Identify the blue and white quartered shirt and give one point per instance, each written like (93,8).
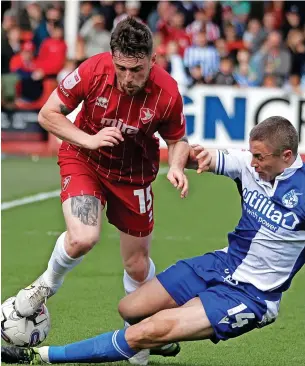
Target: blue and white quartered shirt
(267,248)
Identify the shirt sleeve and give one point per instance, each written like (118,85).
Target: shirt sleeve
(173,127)
(75,87)
(231,162)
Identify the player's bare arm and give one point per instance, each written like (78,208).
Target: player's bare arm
(52,118)
(178,153)
(202,159)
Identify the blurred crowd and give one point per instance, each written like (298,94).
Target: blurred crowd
(240,43)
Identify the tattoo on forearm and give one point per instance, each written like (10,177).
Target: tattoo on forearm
(184,139)
(86,209)
(64,110)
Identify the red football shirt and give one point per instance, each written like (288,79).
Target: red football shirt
(157,108)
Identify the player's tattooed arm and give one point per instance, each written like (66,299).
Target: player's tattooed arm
(52,117)
(86,208)
(64,109)
(184,139)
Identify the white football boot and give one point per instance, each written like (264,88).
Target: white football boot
(140,358)
(29,299)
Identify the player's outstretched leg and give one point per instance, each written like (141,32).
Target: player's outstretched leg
(81,235)
(188,322)
(107,347)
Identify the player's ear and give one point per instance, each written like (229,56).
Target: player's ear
(287,155)
(153,60)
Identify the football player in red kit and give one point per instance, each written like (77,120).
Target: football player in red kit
(111,155)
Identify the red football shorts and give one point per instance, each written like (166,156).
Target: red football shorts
(129,207)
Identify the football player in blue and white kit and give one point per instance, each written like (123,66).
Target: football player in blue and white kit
(226,293)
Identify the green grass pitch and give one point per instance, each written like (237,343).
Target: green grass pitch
(87,303)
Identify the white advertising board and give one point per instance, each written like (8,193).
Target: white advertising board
(222,116)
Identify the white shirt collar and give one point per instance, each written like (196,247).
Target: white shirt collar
(288,172)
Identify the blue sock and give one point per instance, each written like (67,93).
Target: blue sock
(106,347)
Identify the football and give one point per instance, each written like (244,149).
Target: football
(23,331)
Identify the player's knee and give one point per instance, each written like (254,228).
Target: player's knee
(82,242)
(127,311)
(137,267)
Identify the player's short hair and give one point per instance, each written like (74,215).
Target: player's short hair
(278,132)
(131,38)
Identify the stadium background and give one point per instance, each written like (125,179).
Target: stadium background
(232,75)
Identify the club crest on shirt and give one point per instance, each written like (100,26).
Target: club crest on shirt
(102,102)
(146,115)
(71,80)
(291,199)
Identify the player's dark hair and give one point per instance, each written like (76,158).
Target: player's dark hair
(131,38)
(278,132)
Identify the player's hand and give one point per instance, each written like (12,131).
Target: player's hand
(108,136)
(179,180)
(202,156)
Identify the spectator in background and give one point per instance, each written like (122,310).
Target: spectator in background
(176,66)
(272,58)
(202,54)
(296,46)
(52,54)
(243,73)
(164,11)
(234,43)
(173,30)
(169,59)
(203,22)
(188,8)
(240,12)
(24,60)
(293,85)
(9,21)
(53,17)
(292,20)
(269,24)
(132,9)
(225,74)
(9,47)
(95,36)
(107,9)
(23,64)
(30,16)
(86,10)
(277,9)
(161,58)
(196,74)
(221,47)
(254,35)
(119,10)
(270,81)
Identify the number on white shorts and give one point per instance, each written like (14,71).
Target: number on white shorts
(242,319)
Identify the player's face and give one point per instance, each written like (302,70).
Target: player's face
(267,162)
(132,72)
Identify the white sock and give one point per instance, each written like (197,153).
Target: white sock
(44,353)
(131,285)
(59,264)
